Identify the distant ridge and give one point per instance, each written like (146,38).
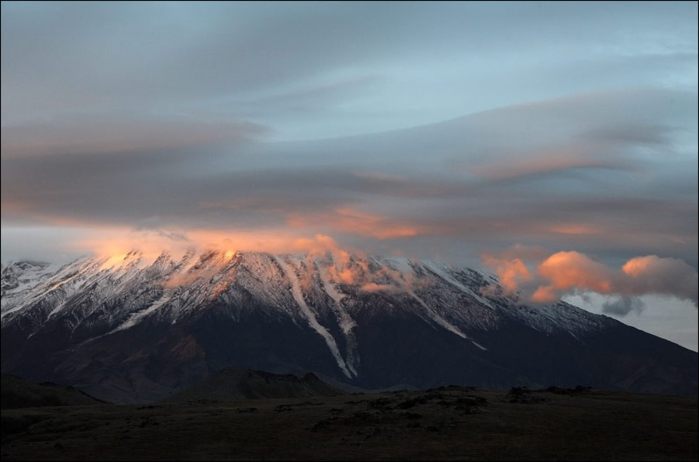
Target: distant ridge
(19,393)
(242,384)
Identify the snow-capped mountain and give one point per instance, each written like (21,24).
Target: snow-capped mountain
(129,328)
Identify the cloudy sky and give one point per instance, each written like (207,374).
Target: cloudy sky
(552,143)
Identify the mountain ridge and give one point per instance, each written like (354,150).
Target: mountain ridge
(138,328)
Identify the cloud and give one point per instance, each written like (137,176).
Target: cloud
(409,201)
(352,221)
(665,276)
(573,272)
(622,305)
(320,244)
(341,266)
(534,165)
(344,268)
(148,55)
(511,272)
(119,134)
(394,186)
(568,270)
(111,241)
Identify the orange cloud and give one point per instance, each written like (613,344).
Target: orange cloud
(545,294)
(352,221)
(107,242)
(344,269)
(319,244)
(113,244)
(364,224)
(566,270)
(511,272)
(640,266)
(569,272)
(575,229)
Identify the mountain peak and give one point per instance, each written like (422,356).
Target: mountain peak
(367,320)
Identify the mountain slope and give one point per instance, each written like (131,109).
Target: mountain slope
(129,328)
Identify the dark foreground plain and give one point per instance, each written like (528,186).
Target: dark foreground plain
(449,423)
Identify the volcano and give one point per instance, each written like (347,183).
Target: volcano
(135,329)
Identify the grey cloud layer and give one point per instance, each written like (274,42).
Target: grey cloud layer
(122,112)
(580,173)
(338,67)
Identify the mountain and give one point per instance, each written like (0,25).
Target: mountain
(19,393)
(134,329)
(241,384)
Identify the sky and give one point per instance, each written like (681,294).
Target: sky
(554,144)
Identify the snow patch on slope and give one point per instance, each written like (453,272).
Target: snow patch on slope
(19,278)
(311,317)
(138,316)
(345,321)
(443,322)
(118,295)
(440,272)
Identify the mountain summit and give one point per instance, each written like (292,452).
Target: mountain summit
(134,329)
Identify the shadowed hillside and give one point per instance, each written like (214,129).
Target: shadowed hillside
(241,384)
(19,393)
